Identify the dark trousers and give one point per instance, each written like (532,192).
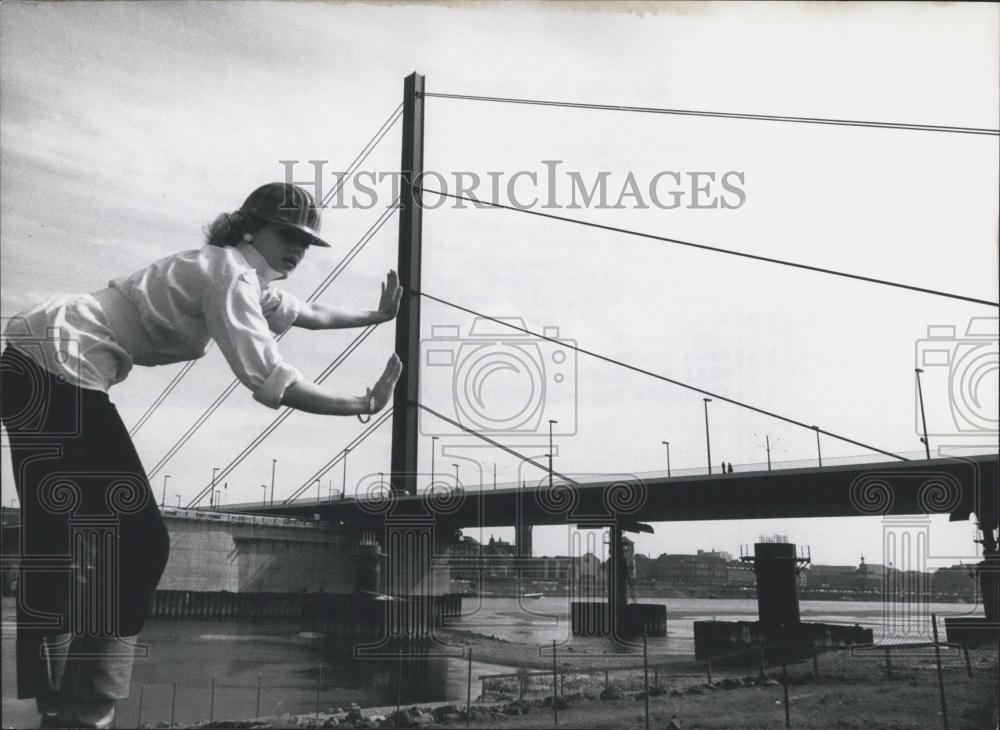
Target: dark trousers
(92,543)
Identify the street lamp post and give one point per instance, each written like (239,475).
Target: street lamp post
(163,496)
(215,472)
(708,441)
(923,415)
(667,444)
(819,451)
(178,500)
(434,440)
(343,491)
(767,441)
(218,494)
(457,483)
(317,491)
(274,464)
(264,500)
(551,451)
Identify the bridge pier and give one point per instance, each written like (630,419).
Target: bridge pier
(976,631)
(617,574)
(522,540)
(616,617)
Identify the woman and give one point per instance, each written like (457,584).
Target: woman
(93,543)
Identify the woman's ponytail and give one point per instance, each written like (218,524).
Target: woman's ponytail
(228,229)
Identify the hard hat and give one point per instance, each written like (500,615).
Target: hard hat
(286,205)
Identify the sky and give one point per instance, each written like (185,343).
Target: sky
(126,127)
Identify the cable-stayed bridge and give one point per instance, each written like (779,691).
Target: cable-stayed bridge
(956,486)
(892,485)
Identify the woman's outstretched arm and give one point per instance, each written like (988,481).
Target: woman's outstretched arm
(305,396)
(323,316)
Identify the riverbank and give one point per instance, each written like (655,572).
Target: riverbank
(747,593)
(516,655)
(194,670)
(849,692)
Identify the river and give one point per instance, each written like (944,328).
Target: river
(290,665)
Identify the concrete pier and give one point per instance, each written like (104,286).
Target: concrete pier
(590,618)
(779,630)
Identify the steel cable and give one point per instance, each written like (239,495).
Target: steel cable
(724,115)
(664,378)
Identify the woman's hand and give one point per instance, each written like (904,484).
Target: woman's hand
(381,392)
(392,292)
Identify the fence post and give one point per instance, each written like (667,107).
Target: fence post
(173,704)
(319,681)
(815,662)
(211,707)
(142,688)
(940,674)
(555,687)
(762,662)
(399,687)
(888,664)
(708,670)
(605,679)
(468,693)
(645,676)
(656,678)
(258,696)
(784,676)
(968,662)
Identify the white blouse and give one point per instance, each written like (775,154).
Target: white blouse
(170,311)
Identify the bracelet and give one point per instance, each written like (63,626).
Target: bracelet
(371,409)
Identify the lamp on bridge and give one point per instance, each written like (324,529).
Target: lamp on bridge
(264,501)
(667,444)
(274,465)
(457,483)
(551,452)
(767,447)
(433,450)
(708,441)
(923,416)
(178,501)
(163,496)
(343,491)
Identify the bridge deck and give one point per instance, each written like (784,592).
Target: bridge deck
(954,486)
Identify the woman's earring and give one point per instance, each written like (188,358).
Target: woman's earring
(248,237)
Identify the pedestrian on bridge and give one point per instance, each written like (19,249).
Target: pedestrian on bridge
(94,544)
